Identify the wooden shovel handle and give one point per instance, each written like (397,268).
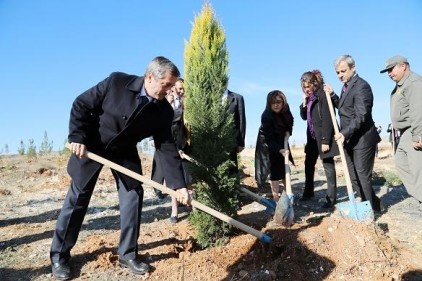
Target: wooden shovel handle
(340,145)
(250,193)
(260,199)
(263,237)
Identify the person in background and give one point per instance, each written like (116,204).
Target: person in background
(175,97)
(406,116)
(320,136)
(177,94)
(276,121)
(110,119)
(358,133)
(180,139)
(160,195)
(237,108)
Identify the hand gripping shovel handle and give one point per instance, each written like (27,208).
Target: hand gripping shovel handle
(263,237)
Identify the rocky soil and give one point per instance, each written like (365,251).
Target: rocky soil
(320,245)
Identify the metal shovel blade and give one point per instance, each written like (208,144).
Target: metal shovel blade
(284,213)
(361,211)
(356,210)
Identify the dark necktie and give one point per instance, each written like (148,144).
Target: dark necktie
(143,101)
(309,116)
(343,89)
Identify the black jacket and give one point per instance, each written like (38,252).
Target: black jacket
(237,108)
(323,125)
(106,118)
(179,132)
(355,111)
(270,140)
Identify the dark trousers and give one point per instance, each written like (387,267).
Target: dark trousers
(157,175)
(360,163)
(311,158)
(73,212)
(234,170)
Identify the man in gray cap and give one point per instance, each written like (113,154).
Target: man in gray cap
(406,116)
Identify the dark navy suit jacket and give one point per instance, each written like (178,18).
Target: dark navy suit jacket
(237,107)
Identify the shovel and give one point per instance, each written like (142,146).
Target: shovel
(270,204)
(360,211)
(261,236)
(284,213)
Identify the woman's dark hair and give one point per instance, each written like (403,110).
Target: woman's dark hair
(313,77)
(271,97)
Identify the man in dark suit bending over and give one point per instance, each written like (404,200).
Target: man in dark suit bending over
(110,119)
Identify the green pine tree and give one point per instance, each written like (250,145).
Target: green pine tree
(46,146)
(211,126)
(32,149)
(21,149)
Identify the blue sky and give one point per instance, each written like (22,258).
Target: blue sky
(51,51)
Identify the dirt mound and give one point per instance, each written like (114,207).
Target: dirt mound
(319,246)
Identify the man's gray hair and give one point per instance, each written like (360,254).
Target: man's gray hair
(159,67)
(347,58)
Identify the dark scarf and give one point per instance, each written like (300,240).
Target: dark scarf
(308,115)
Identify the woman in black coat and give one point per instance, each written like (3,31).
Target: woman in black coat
(320,136)
(276,121)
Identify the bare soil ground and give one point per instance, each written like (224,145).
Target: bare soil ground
(320,245)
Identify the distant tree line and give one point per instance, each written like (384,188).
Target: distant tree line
(30,149)
(46,147)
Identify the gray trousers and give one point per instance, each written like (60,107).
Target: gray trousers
(409,165)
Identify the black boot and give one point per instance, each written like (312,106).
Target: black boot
(61,271)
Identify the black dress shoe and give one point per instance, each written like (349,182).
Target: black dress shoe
(61,271)
(135,266)
(306,197)
(173,220)
(327,205)
(160,195)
